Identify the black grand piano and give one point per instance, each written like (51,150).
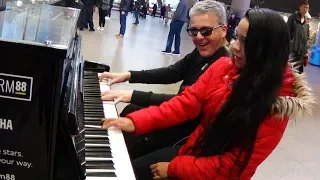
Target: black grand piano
(50,106)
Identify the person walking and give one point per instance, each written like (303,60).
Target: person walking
(124,9)
(176,25)
(103,6)
(137,7)
(299,35)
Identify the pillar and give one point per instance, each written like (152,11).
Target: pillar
(240,7)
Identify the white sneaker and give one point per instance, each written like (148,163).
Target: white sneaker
(107,18)
(101,29)
(98,28)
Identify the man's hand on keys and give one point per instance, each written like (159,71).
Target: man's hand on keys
(114,78)
(117,95)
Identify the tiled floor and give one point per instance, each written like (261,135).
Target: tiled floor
(298,155)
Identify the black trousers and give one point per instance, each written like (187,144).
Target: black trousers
(138,146)
(109,11)
(89,15)
(102,15)
(298,61)
(141,166)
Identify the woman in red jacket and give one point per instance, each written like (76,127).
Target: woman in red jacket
(245,103)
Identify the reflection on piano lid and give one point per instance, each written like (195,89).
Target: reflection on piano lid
(38,24)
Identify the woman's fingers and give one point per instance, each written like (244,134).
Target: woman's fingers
(110,122)
(124,124)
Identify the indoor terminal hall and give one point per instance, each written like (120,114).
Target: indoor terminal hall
(159,89)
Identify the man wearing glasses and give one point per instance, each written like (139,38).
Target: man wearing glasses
(208,31)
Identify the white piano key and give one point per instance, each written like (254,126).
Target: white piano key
(96,145)
(97,159)
(96,136)
(100,170)
(102,178)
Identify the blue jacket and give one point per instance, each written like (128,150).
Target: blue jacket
(181,11)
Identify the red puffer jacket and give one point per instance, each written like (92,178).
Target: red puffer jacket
(207,96)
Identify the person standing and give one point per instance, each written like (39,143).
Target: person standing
(163,11)
(166,14)
(154,10)
(103,6)
(110,8)
(137,7)
(124,9)
(178,20)
(299,35)
(232,24)
(89,7)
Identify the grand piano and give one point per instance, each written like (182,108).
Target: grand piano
(50,106)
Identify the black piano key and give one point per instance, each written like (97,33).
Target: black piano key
(97,132)
(103,164)
(93,123)
(98,149)
(93,111)
(105,154)
(97,141)
(101,115)
(101,174)
(93,106)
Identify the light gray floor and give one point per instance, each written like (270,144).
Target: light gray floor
(298,155)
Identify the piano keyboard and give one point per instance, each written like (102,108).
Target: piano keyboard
(106,155)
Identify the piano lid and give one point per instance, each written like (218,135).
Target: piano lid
(39,24)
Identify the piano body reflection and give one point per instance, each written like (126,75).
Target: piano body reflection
(50,97)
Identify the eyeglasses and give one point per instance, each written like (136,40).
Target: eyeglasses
(205,31)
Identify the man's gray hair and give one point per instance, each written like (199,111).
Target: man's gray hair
(210,6)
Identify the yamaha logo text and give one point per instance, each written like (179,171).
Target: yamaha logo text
(15,87)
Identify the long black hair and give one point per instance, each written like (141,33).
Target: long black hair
(254,92)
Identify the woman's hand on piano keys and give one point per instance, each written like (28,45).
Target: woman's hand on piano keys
(122,123)
(114,78)
(117,96)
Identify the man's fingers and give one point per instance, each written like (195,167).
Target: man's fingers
(104,75)
(105,92)
(109,97)
(119,99)
(113,81)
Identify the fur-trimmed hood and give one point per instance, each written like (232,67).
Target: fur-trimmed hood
(295,106)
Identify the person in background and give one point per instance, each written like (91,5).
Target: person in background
(232,24)
(89,6)
(110,9)
(137,7)
(143,11)
(177,22)
(147,9)
(245,102)
(166,14)
(188,18)
(209,43)
(299,35)
(163,11)
(154,10)
(103,6)
(124,9)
